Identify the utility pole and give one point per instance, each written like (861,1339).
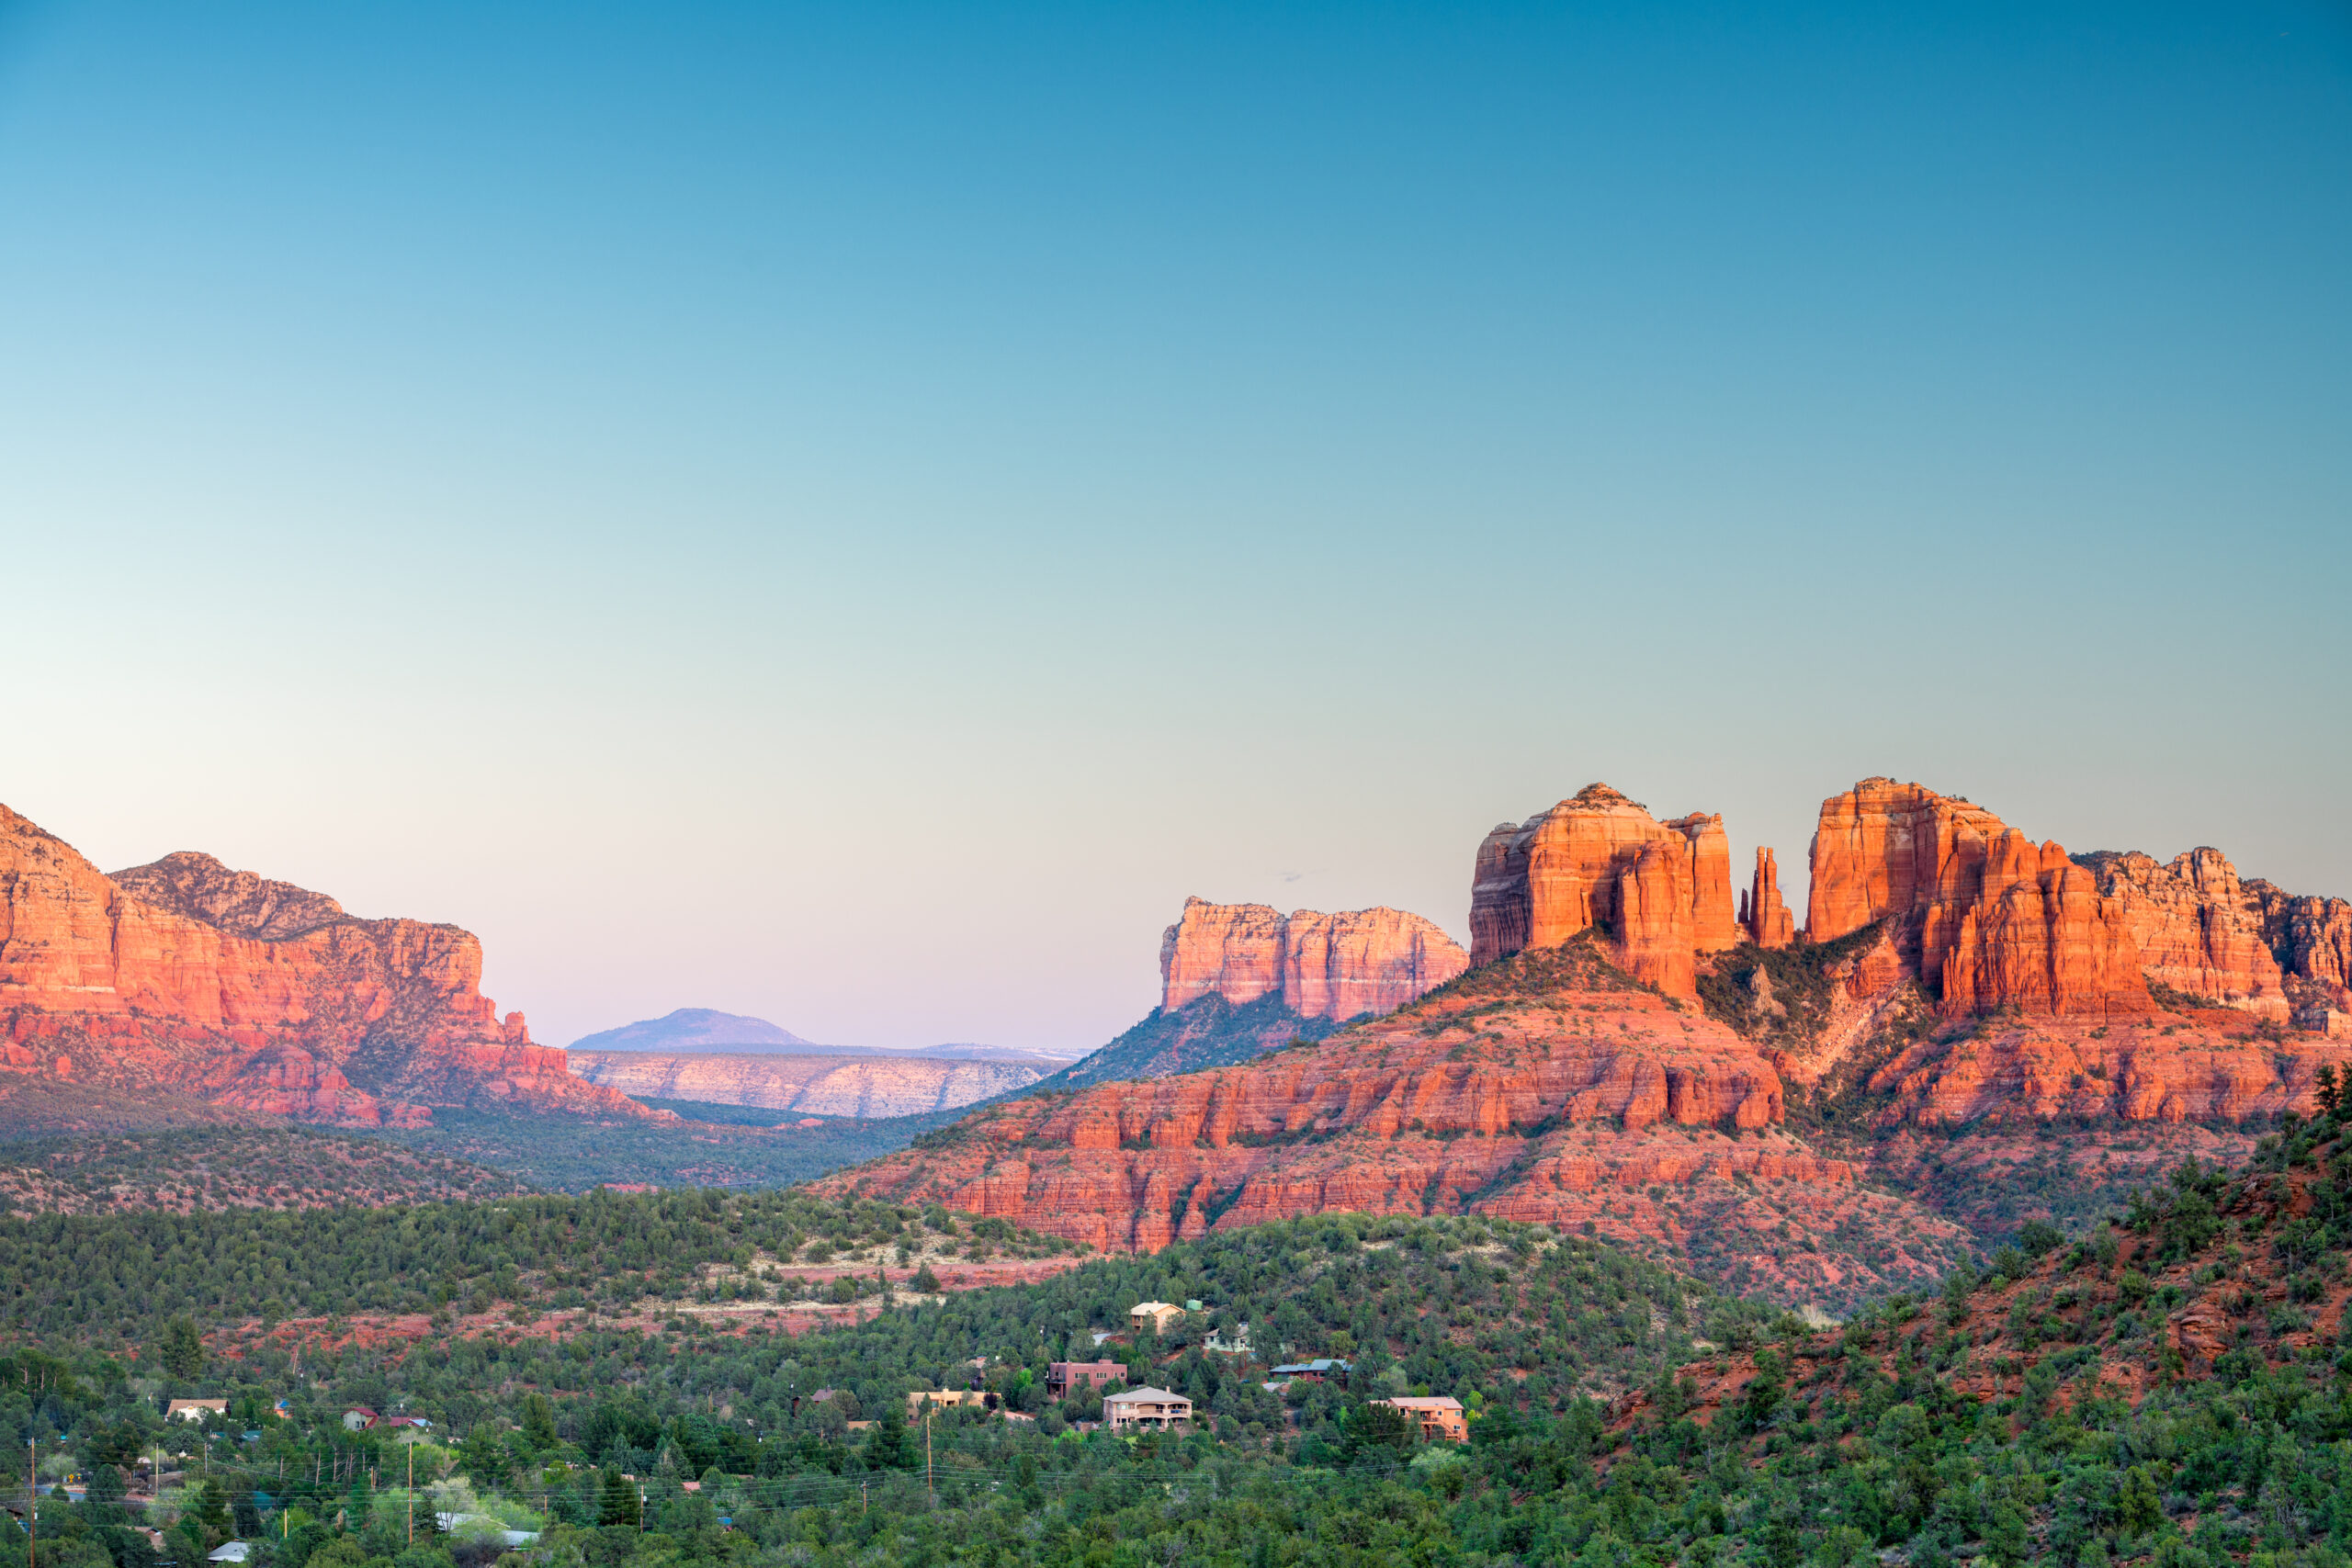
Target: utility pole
(32,1502)
(411,1493)
(927,1483)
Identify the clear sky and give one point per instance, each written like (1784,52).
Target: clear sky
(852,514)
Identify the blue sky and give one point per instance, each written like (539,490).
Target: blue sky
(852,514)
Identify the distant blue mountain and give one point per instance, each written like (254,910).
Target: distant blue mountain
(699,1028)
(690,1030)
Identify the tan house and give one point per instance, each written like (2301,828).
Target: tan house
(1439,1419)
(195,1409)
(917,1400)
(1147,1410)
(1154,1316)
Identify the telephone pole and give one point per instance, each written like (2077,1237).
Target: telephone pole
(928,1484)
(411,1493)
(32,1502)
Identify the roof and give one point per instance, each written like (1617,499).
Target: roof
(179,1405)
(1145,1396)
(1153,1307)
(230,1552)
(1422,1401)
(1320,1364)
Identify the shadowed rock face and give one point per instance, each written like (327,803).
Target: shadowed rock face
(1319,966)
(188,977)
(811,1084)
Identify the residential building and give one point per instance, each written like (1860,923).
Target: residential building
(1323,1369)
(1438,1418)
(195,1409)
(358,1418)
(1147,1410)
(1158,1316)
(917,1400)
(230,1552)
(1065,1377)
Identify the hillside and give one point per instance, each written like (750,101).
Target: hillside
(867,1086)
(1969,1045)
(185,978)
(187,1172)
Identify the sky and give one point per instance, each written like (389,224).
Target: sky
(851,514)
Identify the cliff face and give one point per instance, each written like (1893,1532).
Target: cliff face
(1546,1086)
(2311,939)
(1600,859)
(188,975)
(2198,928)
(1985,916)
(811,1084)
(1318,966)
(1765,918)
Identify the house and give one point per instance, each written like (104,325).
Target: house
(358,1418)
(1065,1377)
(917,1400)
(1158,1316)
(1147,1410)
(1438,1418)
(194,1409)
(230,1551)
(414,1423)
(1238,1345)
(1323,1369)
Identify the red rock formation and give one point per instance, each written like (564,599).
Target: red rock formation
(1715,926)
(1655,940)
(1334,966)
(2199,929)
(1767,919)
(1958,886)
(1564,870)
(188,975)
(1386,1115)
(2311,939)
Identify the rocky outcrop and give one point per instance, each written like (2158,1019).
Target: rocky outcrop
(1319,966)
(1985,916)
(1395,1114)
(2311,940)
(1766,918)
(816,1085)
(1598,859)
(188,975)
(2198,928)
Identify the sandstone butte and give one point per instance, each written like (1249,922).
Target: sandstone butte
(1335,966)
(1574,1076)
(185,975)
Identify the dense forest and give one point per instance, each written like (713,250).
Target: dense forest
(2170,1390)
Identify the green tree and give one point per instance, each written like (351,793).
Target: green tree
(180,1348)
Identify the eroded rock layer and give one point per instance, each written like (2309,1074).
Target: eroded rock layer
(1596,858)
(1986,917)
(811,1084)
(1319,966)
(188,975)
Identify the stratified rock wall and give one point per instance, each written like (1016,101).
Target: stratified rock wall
(2311,940)
(1959,886)
(1334,966)
(2198,928)
(810,1085)
(191,975)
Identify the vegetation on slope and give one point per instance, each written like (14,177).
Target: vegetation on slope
(273,1167)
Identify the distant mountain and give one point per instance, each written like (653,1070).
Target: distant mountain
(691,1030)
(699,1028)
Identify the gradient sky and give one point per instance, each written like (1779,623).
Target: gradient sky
(852,514)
